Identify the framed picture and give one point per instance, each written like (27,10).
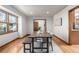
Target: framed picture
(58,22)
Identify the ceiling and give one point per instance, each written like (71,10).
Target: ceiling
(39,10)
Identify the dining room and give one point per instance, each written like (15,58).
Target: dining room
(35,29)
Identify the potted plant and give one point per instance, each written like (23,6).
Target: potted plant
(39,29)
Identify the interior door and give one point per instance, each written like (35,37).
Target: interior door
(73,31)
(35,26)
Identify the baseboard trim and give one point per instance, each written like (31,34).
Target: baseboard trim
(61,39)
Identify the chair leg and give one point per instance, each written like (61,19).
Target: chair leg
(42,46)
(51,45)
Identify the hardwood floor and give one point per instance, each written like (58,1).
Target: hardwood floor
(66,48)
(16,45)
(13,47)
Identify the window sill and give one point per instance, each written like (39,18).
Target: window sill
(8,33)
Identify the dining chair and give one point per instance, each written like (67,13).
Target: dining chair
(39,45)
(44,43)
(27,45)
(38,40)
(50,40)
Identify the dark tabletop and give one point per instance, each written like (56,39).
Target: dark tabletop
(40,35)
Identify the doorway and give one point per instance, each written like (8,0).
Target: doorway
(74,26)
(39,25)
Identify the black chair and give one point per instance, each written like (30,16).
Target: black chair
(41,42)
(50,43)
(45,43)
(25,43)
(37,46)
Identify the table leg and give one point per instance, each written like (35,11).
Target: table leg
(24,48)
(47,45)
(32,45)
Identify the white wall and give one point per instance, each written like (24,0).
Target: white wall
(62,31)
(22,25)
(49,21)
(49,24)
(30,25)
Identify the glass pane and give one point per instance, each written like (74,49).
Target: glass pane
(76,20)
(12,19)
(2,17)
(3,28)
(12,27)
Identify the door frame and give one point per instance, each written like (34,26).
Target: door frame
(45,25)
(69,22)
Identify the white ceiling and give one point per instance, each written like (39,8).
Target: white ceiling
(40,10)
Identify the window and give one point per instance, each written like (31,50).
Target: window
(8,22)
(2,17)
(12,23)
(3,22)
(3,28)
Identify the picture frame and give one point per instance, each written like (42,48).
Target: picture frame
(58,22)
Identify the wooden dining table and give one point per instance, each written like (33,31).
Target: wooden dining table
(40,35)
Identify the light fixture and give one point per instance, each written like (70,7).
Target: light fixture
(31,12)
(47,12)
